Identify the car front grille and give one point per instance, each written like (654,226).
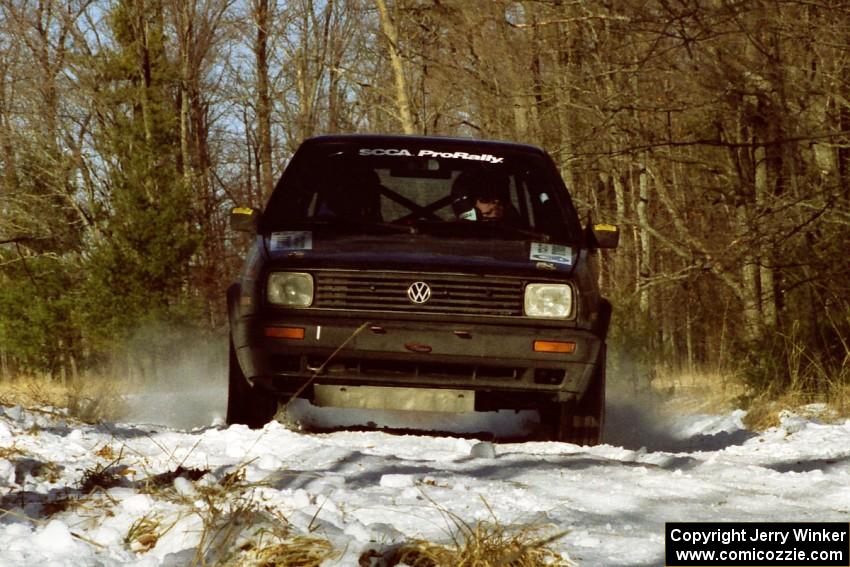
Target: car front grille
(388,291)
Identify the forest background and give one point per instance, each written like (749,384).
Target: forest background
(716,133)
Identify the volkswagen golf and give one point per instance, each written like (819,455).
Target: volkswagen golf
(423,274)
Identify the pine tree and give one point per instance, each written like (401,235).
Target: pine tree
(137,273)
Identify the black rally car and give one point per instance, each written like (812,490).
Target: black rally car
(421,273)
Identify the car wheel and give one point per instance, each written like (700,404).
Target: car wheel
(246,405)
(580,422)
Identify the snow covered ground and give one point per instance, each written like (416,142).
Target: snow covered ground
(148,495)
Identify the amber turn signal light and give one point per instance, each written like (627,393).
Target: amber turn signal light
(554,346)
(285,332)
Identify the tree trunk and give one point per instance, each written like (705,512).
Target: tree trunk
(264,131)
(750,286)
(402,102)
(144,71)
(10,181)
(644,254)
(4,364)
(766,299)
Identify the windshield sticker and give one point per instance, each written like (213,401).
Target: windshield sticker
(430,153)
(554,253)
(291,240)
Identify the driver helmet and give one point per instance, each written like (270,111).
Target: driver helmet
(474,188)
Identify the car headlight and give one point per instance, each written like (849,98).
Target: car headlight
(290,289)
(548,300)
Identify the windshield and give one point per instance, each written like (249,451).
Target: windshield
(451,189)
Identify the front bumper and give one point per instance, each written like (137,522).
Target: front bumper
(489,358)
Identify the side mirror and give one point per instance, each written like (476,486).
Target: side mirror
(603,235)
(244,219)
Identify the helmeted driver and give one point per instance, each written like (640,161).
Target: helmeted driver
(480,195)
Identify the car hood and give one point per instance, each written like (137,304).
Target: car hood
(411,252)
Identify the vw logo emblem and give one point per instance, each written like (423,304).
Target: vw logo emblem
(419,292)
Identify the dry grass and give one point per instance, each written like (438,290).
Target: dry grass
(699,392)
(715,392)
(12,452)
(291,551)
(811,381)
(485,544)
(839,396)
(832,405)
(144,533)
(763,412)
(237,530)
(90,399)
(102,476)
(241,533)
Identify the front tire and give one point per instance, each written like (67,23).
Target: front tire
(580,421)
(246,405)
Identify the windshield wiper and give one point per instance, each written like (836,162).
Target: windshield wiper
(516,231)
(355,225)
(472,229)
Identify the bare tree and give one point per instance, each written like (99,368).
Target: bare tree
(391,36)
